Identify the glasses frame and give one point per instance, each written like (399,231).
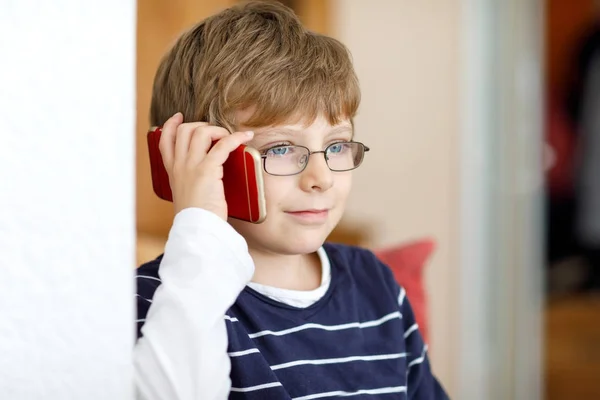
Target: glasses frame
(310,153)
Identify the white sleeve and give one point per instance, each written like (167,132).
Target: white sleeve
(183,352)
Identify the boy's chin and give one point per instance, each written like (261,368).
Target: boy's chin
(296,244)
(305,247)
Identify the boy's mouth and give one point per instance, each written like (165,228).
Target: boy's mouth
(311,216)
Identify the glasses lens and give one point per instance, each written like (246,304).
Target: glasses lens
(345,156)
(286,160)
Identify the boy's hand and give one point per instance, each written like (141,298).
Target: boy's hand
(195,169)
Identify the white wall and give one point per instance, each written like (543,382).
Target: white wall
(407,56)
(67,199)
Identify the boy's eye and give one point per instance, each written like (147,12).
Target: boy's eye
(280,151)
(337,148)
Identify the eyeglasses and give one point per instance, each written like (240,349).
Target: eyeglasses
(292,160)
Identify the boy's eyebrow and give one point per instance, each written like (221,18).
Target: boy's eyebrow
(292,131)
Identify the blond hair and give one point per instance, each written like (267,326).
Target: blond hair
(257,56)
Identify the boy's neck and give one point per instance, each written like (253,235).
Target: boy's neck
(295,272)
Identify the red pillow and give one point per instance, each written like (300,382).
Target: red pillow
(407,262)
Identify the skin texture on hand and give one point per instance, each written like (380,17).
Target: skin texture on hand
(195,168)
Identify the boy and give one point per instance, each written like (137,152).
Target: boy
(268,311)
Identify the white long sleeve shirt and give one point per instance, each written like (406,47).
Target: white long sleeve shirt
(183,353)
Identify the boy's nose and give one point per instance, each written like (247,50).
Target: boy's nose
(316,175)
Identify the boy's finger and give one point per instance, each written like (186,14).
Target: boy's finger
(182,140)
(220,151)
(166,143)
(201,142)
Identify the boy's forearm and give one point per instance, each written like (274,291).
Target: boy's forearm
(183,353)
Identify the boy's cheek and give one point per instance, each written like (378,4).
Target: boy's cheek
(343,184)
(277,187)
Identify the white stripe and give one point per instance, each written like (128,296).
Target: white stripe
(140,320)
(401,296)
(339,360)
(359,325)
(411,330)
(243,352)
(148,277)
(418,360)
(148,300)
(258,387)
(232,319)
(396,389)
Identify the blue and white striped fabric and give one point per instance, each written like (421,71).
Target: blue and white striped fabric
(359,340)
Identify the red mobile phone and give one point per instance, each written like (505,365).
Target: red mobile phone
(242,180)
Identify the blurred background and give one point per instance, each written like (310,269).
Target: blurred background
(479,115)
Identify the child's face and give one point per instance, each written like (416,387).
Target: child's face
(302,209)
